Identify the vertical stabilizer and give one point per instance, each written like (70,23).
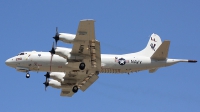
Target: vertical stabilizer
(152,46)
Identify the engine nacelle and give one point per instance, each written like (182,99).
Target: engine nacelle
(57,76)
(63,52)
(66,37)
(56,84)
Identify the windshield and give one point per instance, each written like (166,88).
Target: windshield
(21,53)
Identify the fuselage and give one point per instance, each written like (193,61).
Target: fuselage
(110,63)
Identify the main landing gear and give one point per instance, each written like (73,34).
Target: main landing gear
(27,75)
(75,89)
(82,66)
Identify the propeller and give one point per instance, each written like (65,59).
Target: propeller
(52,51)
(56,37)
(47,75)
(46,83)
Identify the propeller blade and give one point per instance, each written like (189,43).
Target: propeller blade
(47,75)
(46,83)
(52,51)
(56,37)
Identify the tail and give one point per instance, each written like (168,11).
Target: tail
(162,52)
(153,44)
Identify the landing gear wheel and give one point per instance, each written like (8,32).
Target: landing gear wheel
(75,89)
(82,66)
(27,75)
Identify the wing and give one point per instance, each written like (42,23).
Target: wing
(85,35)
(83,84)
(86,46)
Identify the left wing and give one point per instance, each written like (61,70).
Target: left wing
(82,84)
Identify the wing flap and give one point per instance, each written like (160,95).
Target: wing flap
(95,55)
(89,82)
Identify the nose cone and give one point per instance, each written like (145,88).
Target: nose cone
(9,62)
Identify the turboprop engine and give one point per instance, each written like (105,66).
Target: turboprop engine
(63,52)
(53,83)
(56,75)
(66,37)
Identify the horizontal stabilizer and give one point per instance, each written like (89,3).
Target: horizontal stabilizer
(67,92)
(153,70)
(162,52)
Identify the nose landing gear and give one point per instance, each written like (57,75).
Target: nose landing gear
(27,75)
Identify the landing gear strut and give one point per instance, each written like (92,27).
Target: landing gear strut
(75,89)
(82,66)
(27,75)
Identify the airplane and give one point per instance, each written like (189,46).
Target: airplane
(71,69)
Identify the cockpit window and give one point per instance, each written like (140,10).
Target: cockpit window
(21,54)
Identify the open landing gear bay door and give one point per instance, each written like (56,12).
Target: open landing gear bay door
(85,45)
